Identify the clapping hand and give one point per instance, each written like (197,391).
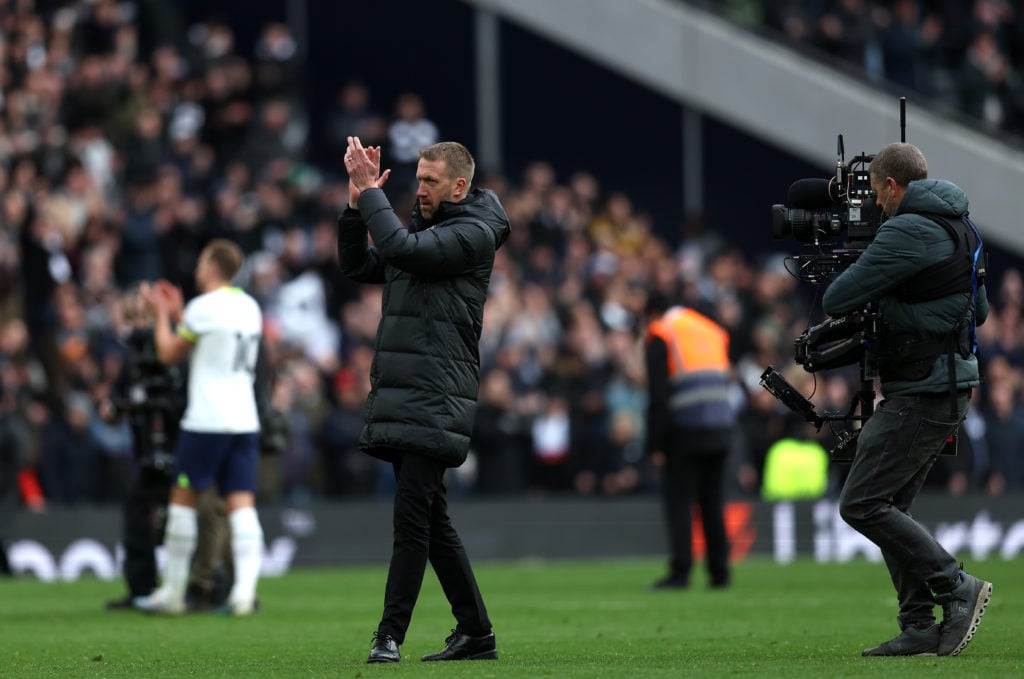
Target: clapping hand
(163,297)
(363,165)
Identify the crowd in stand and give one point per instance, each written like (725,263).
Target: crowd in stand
(124,149)
(965,56)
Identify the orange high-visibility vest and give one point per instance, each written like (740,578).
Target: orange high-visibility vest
(698,368)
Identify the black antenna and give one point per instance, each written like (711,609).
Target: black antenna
(840,162)
(903,119)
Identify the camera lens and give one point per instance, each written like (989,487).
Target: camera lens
(780,222)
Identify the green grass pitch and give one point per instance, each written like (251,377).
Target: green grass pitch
(552,619)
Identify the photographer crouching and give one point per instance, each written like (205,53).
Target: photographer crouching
(925,270)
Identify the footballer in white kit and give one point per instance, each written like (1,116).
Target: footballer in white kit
(218,441)
(225,325)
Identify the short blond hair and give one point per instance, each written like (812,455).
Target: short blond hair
(226,256)
(456,157)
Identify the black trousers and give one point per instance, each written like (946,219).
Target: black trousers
(144,517)
(688,477)
(423,532)
(895,451)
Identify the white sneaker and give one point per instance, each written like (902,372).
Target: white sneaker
(160,601)
(239,608)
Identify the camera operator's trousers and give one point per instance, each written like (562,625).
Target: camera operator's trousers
(895,451)
(145,512)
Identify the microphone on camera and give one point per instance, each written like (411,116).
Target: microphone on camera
(813,194)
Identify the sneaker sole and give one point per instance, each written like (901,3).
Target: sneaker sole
(884,654)
(984,596)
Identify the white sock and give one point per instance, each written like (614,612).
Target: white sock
(247,550)
(179,545)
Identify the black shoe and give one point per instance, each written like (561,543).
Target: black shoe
(460,646)
(198,599)
(124,604)
(385,649)
(720,582)
(671,582)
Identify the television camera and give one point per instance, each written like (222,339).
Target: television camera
(821,212)
(836,219)
(152,400)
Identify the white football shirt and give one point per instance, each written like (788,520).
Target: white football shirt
(225,325)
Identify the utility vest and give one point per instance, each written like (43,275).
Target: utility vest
(698,369)
(906,356)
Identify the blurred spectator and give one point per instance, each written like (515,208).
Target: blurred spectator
(348,472)
(551,434)
(501,437)
(409,131)
(625,468)
(793,18)
(211,42)
(298,306)
(276,135)
(848,32)
(352,116)
(145,147)
(278,67)
(140,257)
(581,374)
(616,229)
(1004,428)
(69,465)
(1003,334)
(987,81)
(298,394)
(228,109)
(908,34)
(17,438)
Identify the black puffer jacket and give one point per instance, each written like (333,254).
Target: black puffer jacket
(426,372)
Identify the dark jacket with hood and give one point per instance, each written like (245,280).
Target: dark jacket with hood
(426,371)
(905,245)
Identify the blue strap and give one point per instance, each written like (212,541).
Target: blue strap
(972,335)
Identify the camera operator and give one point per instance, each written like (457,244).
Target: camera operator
(925,270)
(152,398)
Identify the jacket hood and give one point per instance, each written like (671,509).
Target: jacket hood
(479,204)
(935,196)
